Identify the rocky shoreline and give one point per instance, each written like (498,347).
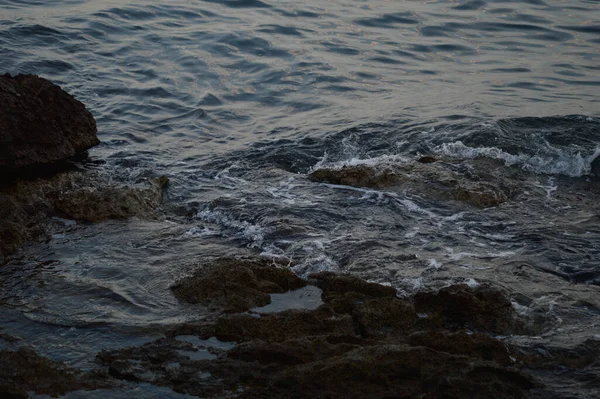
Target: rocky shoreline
(354,338)
(42,128)
(363,340)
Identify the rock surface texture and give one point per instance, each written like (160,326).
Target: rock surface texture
(477,182)
(41,127)
(362,342)
(26,205)
(23,371)
(236,285)
(40,124)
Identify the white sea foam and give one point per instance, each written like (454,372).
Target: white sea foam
(381,160)
(316,264)
(199,231)
(246,230)
(434,263)
(472,283)
(413,207)
(548,159)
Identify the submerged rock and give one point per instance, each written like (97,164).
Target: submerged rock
(40,124)
(24,371)
(480,182)
(236,284)
(363,341)
(98,202)
(26,205)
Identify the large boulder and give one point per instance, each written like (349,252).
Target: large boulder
(40,124)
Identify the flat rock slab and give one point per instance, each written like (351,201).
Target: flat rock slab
(40,124)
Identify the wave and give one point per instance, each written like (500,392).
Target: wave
(549,159)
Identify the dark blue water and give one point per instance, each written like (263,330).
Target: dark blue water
(238,100)
(198,77)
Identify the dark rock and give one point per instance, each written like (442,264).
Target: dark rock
(595,166)
(26,205)
(236,284)
(24,371)
(40,124)
(293,351)
(99,202)
(282,326)
(480,182)
(334,284)
(427,159)
(383,317)
(359,176)
(363,342)
(482,308)
(399,371)
(475,345)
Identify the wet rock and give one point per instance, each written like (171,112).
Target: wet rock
(482,308)
(427,159)
(384,317)
(95,203)
(279,327)
(40,124)
(475,345)
(375,309)
(360,176)
(398,371)
(26,205)
(595,166)
(364,341)
(582,356)
(236,284)
(480,182)
(24,371)
(334,284)
(294,351)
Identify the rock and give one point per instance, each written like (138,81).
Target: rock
(334,284)
(25,371)
(41,127)
(294,351)
(595,166)
(480,182)
(384,317)
(40,124)
(95,203)
(26,205)
(483,308)
(398,371)
(364,341)
(360,176)
(475,345)
(581,356)
(279,327)
(427,159)
(236,284)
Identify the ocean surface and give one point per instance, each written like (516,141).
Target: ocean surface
(236,101)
